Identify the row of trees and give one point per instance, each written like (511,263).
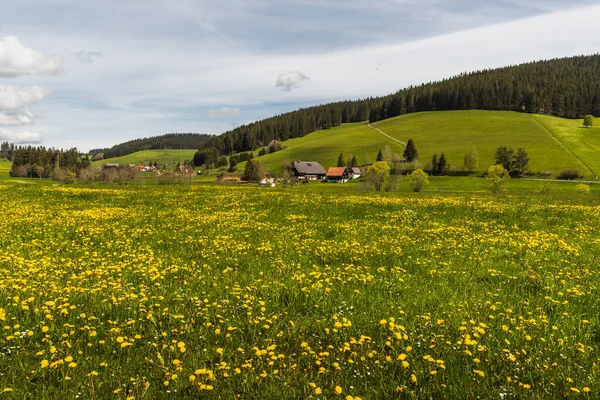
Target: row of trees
(568,87)
(41,162)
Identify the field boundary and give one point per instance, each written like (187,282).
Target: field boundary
(386,135)
(562,144)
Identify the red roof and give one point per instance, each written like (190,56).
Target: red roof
(336,171)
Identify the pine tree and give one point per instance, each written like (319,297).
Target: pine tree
(410,152)
(434,164)
(341,162)
(353,162)
(442,164)
(379,156)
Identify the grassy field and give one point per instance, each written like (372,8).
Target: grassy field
(455,132)
(325,146)
(146,156)
(314,291)
(584,143)
(5,166)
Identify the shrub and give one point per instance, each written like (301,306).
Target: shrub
(20,171)
(377,176)
(89,174)
(546,187)
(418,180)
(497,177)
(568,174)
(582,188)
(254,171)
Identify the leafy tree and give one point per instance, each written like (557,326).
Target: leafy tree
(497,177)
(340,161)
(418,180)
(471,162)
(379,156)
(519,162)
(588,121)
(434,164)
(504,156)
(254,171)
(410,152)
(377,175)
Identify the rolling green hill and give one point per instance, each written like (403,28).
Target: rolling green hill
(553,143)
(146,156)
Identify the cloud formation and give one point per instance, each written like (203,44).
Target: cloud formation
(87,57)
(17,60)
(16,119)
(6,135)
(223,112)
(14,98)
(290,80)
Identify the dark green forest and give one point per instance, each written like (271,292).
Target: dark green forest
(568,87)
(172,141)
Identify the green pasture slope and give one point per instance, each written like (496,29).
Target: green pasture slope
(325,146)
(455,132)
(146,156)
(553,144)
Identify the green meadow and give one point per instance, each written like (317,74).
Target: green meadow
(313,291)
(147,156)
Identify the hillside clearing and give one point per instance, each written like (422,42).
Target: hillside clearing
(147,156)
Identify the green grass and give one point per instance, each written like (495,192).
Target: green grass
(5,166)
(455,132)
(553,144)
(584,143)
(146,156)
(290,293)
(325,146)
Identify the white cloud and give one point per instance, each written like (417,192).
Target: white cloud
(223,112)
(7,135)
(17,60)
(290,80)
(13,98)
(15,119)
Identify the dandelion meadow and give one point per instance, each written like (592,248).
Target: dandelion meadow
(238,292)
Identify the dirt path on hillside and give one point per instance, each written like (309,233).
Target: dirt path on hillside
(562,144)
(386,135)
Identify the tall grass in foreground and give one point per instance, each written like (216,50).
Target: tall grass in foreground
(174,292)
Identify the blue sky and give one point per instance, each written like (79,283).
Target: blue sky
(92,74)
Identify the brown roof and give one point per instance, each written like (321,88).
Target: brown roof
(309,168)
(355,170)
(336,171)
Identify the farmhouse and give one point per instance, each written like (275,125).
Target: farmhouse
(354,173)
(338,174)
(308,170)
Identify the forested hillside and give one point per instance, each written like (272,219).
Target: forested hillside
(171,141)
(568,87)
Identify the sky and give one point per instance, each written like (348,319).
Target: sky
(92,74)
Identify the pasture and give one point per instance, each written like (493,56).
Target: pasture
(147,156)
(152,292)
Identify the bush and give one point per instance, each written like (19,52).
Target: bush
(377,176)
(582,188)
(20,171)
(254,171)
(497,177)
(418,180)
(63,175)
(568,174)
(546,187)
(89,175)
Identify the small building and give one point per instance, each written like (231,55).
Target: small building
(308,170)
(355,173)
(338,174)
(110,166)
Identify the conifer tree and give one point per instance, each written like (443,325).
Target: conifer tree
(341,162)
(410,152)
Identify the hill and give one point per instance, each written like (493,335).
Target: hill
(170,141)
(568,87)
(147,156)
(454,133)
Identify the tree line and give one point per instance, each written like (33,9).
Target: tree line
(174,141)
(42,162)
(568,87)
